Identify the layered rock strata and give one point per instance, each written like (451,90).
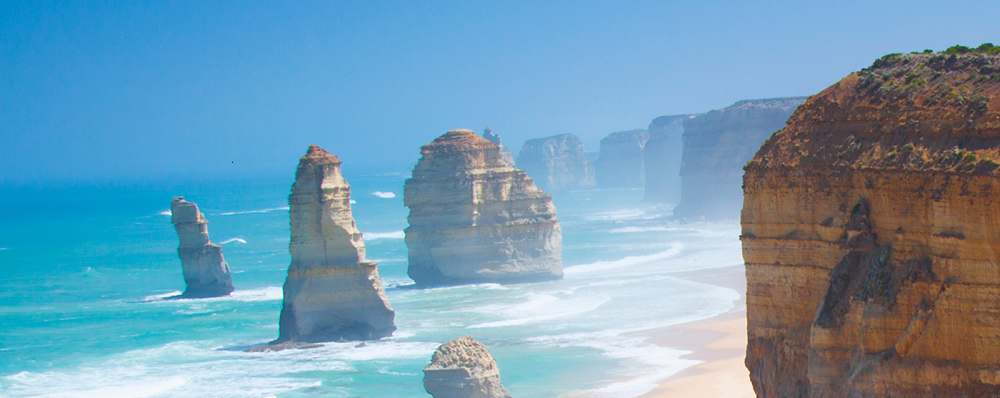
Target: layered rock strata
(557,163)
(871,233)
(331,292)
(463,368)
(206,272)
(621,163)
(495,139)
(662,159)
(474,218)
(716,146)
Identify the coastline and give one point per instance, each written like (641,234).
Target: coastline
(719,341)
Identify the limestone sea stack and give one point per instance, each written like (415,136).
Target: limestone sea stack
(557,163)
(621,163)
(662,159)
(716,146)
(205,271)
(331,293)
(871,228)
(495,139)
(474,218)
(463,368)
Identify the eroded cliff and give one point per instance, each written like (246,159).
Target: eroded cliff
(621,163)
(463,368)
(331,292)
(206,272)
(474,218)
(556,163)
(662,159)
(871,236)
(716,146)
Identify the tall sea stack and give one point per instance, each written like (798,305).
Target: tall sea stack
(205,271)
(716,146)
(331,292)
(557,163)
(621,162)
(871,228)
(662,159)
(474,218)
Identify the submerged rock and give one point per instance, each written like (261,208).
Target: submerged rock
(474,218)
(557,163)
(331,293)
(716,146)
(205,271)
(495,139)
(463,368)
(662,159)
(621,163)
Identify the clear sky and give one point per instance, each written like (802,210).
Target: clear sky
(143,90)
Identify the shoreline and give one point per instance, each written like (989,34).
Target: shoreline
(719,342)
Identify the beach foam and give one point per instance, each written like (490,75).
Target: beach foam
(232,213)
(383,235)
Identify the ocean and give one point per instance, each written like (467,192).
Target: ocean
(83,274)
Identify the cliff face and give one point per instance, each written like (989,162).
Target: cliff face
(871,233)
(474,218)
(557,163)
(205,271)
(331,292)
(662,159)
(495,139)
(463,368)
(621,164)
(716,145)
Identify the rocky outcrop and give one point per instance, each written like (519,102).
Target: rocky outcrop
(556,163)
(662,159)
(870,235)
(495,139)
(716,146)
(621,163)
(205,271)
(463,368)
(331,292)
(474,218)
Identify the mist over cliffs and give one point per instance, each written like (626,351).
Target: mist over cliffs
(556,163)
(621,163)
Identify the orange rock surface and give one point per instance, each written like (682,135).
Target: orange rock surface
(871,236)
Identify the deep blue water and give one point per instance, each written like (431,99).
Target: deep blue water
(83,272)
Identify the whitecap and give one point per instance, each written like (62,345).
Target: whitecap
(353,201)
(3,248)
(627,230)
(156,297)
(238,240)
(384,195)
(627,261)
(165,213)
(616,215)
(384,235)
(231,213)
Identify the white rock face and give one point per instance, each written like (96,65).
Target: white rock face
(205,271)
(331,293)
(463,368)
(474,218)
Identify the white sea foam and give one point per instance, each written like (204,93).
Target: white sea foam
(384,235)
(3,248)
(618,215)
(161,296)
(384,195)
(165,213)
(627,261)
(628,230)
(231,213)
(353,201)
(238,240)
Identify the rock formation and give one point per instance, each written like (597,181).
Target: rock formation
(662,159)
(556,163)
(871,233)
(495,139)
(621,163)
(331,292)
(474,218)
(205,271)
(463,368)
(716,145)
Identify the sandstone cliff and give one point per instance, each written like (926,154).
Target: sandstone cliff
(662,159)
(556,163)
(474,218)
(621,164)
(205,271)
(463,368)
(331,292)
(871,228)
(716,145)
(495,139)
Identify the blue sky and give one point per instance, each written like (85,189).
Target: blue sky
(126,91)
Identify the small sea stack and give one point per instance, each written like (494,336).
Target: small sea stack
(475,219)
(463,368)
(495,139)
(557,163)
(205,271)
(332,293)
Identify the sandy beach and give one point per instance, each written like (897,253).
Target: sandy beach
(719,341)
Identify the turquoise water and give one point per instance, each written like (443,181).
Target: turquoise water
(83,272)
